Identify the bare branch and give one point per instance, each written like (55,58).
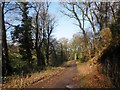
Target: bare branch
(10,9)
(10,24)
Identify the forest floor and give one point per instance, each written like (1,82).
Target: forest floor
(75,75)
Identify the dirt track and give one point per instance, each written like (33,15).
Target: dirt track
(62,80)
(75,76)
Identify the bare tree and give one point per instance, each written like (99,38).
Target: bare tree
(50,27)
(44,26)
(38,33)
(72,7)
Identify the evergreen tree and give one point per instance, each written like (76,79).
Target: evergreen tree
(23,34)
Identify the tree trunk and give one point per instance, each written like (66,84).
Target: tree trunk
(47,49)
(5,58)
(26,35)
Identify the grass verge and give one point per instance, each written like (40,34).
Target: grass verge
(22,81)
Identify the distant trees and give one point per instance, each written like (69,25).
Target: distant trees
(77,49)
(77,46)
(64,48)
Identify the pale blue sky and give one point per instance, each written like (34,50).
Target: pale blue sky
(65,27)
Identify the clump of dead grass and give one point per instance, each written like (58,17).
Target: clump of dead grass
(22,81)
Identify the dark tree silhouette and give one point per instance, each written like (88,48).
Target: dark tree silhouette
(5,57)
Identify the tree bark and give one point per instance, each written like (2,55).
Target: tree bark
(5,55)
(26,35)
(40,57)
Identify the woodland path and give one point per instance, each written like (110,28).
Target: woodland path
(62,80)
(73,76)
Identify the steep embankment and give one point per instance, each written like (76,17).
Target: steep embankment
(110,61)
(89,77)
